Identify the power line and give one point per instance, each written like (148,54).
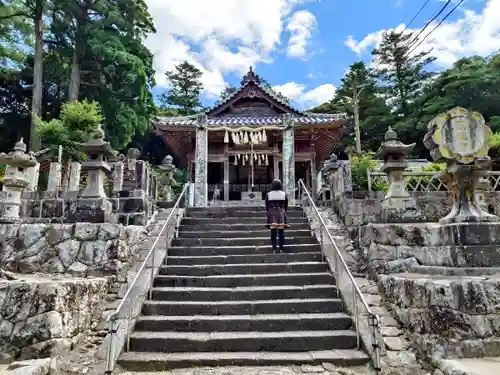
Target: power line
(414,40)
(416,15)
(439,24)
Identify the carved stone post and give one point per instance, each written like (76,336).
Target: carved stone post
(201,163)
(54,181)
(289,158)
(74,177)
(461,138)
(33,175)
(15,180)
(168,167)
(118,177)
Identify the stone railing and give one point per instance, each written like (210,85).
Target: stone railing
(428,181)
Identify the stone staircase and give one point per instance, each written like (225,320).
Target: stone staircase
(223,298)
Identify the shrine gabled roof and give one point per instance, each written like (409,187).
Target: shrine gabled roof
(255,121)
(248,80)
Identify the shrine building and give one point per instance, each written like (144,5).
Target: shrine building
(239,146)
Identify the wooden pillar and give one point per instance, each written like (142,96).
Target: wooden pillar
(226,173)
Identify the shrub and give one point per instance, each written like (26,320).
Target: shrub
(360,165)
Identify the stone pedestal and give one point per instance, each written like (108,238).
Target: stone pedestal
(289,159)
(201,164)
(462,182)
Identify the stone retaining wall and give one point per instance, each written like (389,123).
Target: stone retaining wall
(82,249)
(430,207)
(387,248)
(40,317)
(446,317)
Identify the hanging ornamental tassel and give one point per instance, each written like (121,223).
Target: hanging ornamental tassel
(264,136)
(259,137)
(236,138)
(240,135)
(267,160)
(243,162)
(236,159)
(259,161)
(226,137)
(245,138)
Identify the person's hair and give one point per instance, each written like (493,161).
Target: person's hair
(276,185)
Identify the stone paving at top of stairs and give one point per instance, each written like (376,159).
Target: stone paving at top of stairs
(325,369)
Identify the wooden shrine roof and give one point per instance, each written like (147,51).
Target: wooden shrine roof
(252,105)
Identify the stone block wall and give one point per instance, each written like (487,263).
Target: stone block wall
(430,206)
(40,317)
(389,248)
(82,249)
(446,317)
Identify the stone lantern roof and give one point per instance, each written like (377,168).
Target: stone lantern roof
(18,156)
(96,145)
(392,145)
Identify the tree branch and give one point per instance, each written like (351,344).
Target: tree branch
(3,18)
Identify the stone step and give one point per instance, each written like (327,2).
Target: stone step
(239,220)
(242,213)
(218,226)
(275,306)
(143,361)
(293,341)
(233,241)
(231,323)
(238,269)
(183,233)
(193,211)
(244,259)
(244,293)
(236,280)
(240,250)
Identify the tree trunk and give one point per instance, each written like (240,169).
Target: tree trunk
(74,81)
(36,104)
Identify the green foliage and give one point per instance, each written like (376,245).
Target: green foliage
(77,121)
(360,165)
(495,146)
(185,89)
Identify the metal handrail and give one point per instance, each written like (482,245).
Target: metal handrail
(112,319)
(374,320)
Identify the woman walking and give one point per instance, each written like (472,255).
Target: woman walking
(276,206)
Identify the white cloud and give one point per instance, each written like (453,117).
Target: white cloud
(301,25)
(220,39)
(471,34)
(306,98)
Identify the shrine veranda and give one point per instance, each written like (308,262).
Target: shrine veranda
(247,140)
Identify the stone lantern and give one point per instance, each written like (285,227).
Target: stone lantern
(15,180)
(93,205)
(394,154)
(168,167)
(330,167)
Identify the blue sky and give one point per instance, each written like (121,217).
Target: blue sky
(303,47)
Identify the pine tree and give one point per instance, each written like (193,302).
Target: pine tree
(185,88)
(400,71)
